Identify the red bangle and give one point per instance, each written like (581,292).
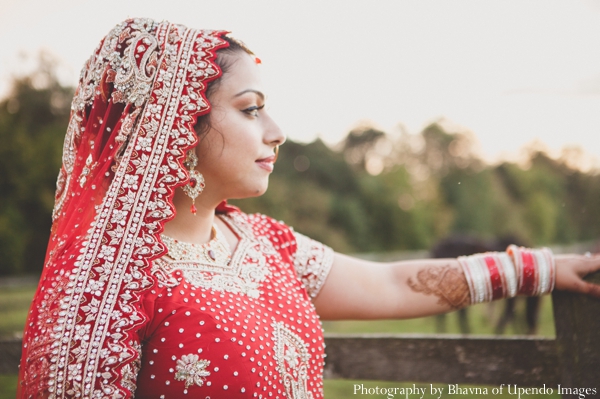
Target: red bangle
(529,275)
(489,276)
(536,270)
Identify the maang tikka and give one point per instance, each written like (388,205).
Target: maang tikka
(194,188)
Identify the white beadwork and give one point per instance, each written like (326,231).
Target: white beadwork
(312,262)
(244,272)
(268,346)
(87,350)
(214,253)
(191,369)
(292,361)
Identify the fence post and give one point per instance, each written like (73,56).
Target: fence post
(577,321)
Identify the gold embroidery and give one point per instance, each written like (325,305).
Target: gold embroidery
(312,262)
(243,274)
(87,169)
(192,370)
(87,348)
(292,361)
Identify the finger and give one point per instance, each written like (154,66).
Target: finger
(595,261)
(589,289)
(587,265)
(592,266)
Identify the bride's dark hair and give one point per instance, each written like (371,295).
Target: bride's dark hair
(225,60)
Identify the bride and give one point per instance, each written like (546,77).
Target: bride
(153,286)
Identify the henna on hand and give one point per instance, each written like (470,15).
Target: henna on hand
(448,283)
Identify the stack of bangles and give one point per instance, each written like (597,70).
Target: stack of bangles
(518,271)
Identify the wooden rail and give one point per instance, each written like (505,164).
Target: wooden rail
(10,354)
(417,358)
(442,358)
(572,359)
(577,322)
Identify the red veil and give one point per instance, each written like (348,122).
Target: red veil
(131,123)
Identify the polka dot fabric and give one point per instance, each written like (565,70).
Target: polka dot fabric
(207,340)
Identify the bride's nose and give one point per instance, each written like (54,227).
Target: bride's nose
(273,134)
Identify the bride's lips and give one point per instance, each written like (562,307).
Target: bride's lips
(266,163)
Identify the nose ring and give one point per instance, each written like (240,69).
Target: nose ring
(276,153)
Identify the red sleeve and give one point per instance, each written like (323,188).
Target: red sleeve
(311,259)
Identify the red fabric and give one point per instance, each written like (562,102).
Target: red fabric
(224,207)
(111,318)
(220,342)
(131,122)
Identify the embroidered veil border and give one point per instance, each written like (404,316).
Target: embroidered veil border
(131,122)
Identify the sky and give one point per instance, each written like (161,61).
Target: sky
(512,72)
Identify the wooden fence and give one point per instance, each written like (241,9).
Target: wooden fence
(572,359)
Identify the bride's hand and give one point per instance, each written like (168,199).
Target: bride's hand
(570,270)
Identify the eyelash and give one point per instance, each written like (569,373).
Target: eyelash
(253,111)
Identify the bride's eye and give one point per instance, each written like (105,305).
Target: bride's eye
(253,111)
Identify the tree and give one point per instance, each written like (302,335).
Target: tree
(33,121)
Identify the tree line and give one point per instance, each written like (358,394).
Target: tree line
(382,192)
(374,192)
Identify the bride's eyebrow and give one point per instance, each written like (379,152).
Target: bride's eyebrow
(257,92)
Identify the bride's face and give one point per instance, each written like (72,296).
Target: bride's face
(236,156)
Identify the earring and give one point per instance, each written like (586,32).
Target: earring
(196,185)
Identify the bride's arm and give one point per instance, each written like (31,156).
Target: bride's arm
(360,289)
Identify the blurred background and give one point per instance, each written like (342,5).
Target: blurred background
(412,127)
(407,121)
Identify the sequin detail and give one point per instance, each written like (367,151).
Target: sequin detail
(191,369)
(312,262)
(244,273)
(266,346)
(292,361)
(81,333)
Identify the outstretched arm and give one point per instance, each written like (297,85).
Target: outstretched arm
(359,289)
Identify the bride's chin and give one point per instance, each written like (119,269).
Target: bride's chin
(252,192)
(260,191)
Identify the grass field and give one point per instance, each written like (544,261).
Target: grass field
(8,386)
(482,320)
(14,304)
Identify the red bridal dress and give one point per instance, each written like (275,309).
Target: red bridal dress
(247,330)
(116,314)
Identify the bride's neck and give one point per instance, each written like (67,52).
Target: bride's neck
(186,226)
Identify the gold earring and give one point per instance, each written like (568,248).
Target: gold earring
(196,184)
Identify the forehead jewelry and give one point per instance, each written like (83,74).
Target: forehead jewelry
(196,184)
